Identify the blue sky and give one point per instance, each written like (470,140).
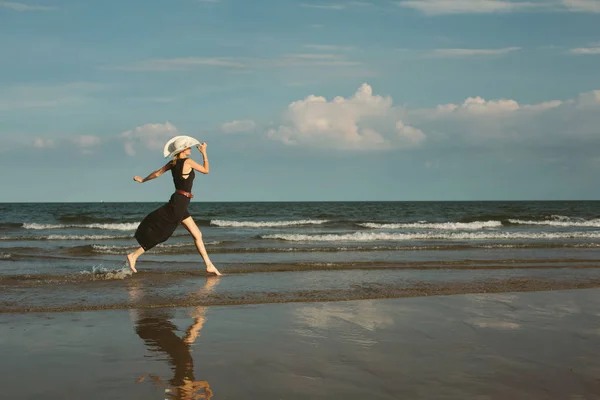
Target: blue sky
(302,100)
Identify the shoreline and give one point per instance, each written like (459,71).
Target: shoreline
(366,291)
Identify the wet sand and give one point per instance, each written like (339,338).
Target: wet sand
(115,290)
(542,345)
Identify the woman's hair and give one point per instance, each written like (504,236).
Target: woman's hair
(175,158)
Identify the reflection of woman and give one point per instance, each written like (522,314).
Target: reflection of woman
(159,225)
(158,333)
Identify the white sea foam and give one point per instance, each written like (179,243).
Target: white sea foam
(266,224)
(104,249)
(5,256)
(564,222)
(110,249)
(124,226)
(375,236)
(433,225)
(76,237)
(64,237)
(101,273)
(80,237)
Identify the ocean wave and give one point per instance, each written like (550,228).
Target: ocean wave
(185,248)
(190,248)
(84,237)
(123,226)
(561,222)
(433,225)
(266,224)
(77,237)
(66,237)
(160,248)
(374,236)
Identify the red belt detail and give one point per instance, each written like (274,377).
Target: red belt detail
(186,194)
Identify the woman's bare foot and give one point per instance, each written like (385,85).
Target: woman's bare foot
(211,269)
(131,261)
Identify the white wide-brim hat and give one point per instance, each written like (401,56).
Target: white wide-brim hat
(178,144)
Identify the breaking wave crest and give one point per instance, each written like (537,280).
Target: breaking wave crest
(429,225)
(124,226)
(266,224)
(560,221)
(374,236)
(160,248)
(66,237)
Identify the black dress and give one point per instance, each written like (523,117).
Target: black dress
(160,224)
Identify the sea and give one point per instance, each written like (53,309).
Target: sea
(71,256)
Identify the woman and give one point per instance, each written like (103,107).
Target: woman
(160,224)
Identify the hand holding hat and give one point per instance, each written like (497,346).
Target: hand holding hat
(178,144)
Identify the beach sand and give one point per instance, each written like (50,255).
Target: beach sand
(538,345)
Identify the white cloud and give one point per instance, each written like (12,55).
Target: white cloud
(241,65)
(478,106)
(150,136)
(591,6)
(479,121)
(361,122)
(86,141)
(408,135)
(336,6)
(313,56)
(43,96)
(587,99)
(585,50)
(311,60)
(324,6)
(370,122)
(472,52)
(25,7)
(546,105)
(179,64)
(238,126)
(438,7)
(154,99)
(445,7)
(43,143)
(327,47)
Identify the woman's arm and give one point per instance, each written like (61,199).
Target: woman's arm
(201,168)
(154,174)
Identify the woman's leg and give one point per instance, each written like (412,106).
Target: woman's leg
(191,226)
(132,258)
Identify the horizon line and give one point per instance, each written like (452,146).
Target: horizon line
(299,201)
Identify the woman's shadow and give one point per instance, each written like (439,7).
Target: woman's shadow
(154,327)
